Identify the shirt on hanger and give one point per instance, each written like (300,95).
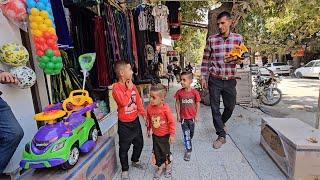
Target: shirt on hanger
(145,18)
(161,13)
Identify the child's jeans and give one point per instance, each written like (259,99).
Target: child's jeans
(188,132)
(161,149)
(129,133)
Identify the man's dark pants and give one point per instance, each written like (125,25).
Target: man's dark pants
(226,89)
(11,134)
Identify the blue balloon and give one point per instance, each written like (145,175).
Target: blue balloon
(41,6)
(44,1)
(51,17)
(31,4)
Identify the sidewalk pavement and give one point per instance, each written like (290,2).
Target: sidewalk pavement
(241,158)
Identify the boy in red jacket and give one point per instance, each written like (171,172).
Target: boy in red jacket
(162,124)
(130,106)
(187,107)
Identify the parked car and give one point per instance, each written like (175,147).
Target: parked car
(311,69)
(279,68)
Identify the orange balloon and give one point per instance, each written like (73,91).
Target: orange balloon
(48,22)
(34,25)
(37,33)
(38,19)
(43,27)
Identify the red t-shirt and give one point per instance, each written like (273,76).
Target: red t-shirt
(161,120)
(188,100)
(128,101)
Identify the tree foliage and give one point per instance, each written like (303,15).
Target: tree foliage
(282,25)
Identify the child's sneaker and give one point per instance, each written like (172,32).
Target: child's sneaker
(158,172)
(187,156)
(125,175)
(139,165)
(168,173)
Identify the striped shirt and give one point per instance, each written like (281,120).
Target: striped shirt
(213,58)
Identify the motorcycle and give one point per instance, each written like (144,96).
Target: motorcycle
(266,89)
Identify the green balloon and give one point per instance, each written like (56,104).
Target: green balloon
(58,66)
(49,53)
(45,59)
(39,58)
(50,65)
(42,65)
(59,59)
(48,71)
(55,59)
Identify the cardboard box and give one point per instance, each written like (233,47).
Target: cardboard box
(286,140)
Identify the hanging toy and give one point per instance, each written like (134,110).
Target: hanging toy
(26,76)
(86,63)
(14,54)
(15,10)
(44,36)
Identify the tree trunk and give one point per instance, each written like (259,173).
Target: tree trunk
(212,17)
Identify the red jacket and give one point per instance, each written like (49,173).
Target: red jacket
(128,101)
(161,120)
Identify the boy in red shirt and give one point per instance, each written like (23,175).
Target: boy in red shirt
(187,108)
(162,124)
(130,106)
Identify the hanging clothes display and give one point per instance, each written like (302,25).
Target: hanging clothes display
(145,17)
(174,9)
(161,12)
(112,33)
(101,58)
(64,39)
(133,40)
(174,19)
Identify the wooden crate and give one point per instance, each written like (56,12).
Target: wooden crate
(286,141)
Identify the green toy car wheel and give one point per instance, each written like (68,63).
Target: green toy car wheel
(73,158)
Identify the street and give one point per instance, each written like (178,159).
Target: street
(299,100)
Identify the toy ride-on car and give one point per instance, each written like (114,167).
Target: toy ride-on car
(60,143)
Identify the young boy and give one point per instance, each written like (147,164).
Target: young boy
(162,124)
(130,106)
(187,107)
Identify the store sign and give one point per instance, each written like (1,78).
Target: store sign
(299,52)
(172,53)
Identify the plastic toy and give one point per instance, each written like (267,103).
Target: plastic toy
(14,54)
(59,143)
(26,76)
(238,52)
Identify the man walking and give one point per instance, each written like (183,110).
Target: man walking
(218,76)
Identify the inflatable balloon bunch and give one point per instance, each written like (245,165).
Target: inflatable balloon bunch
(17,56)
(44,36)
(15,11)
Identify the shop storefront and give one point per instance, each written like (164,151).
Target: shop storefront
(58,33)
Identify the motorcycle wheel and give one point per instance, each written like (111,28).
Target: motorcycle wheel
(271,101)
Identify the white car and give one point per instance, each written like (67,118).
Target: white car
(311,69)
(279,68)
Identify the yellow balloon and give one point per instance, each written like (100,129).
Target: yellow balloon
(44,14)
(48,22)
(38,19)
(35,11)
(52,30)
(34,25)
(43,27)
(37,33)
(31,18)
(32,32)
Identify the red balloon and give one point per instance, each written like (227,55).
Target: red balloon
(51,42)
(56,52)
(38,46)
(46,35)
(35,39)
(55,47)
(54,37)
(42,40)
(40,53)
